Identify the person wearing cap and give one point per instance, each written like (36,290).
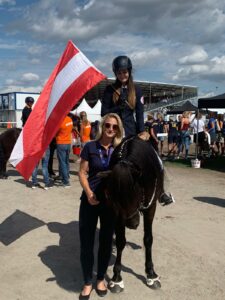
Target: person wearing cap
(125,98)
(27,109)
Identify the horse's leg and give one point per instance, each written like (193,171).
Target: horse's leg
(152,279)
(116,284)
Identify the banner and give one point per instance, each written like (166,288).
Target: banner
(72,77)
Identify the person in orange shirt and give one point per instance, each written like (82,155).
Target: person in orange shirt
(85,129)
(63,145)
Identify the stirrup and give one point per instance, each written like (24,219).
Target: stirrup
(166,199)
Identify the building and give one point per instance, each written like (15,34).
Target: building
(11,106)
(156,95)
(154,92)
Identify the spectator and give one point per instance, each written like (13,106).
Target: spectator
(52,148)
(185,134)
(94,129)
(63,145)
(44,163)
(27,109)
(198,126)
(212,131)
(172,137)
(219,134)
(222,126)
(148,123)
(158,127)
(162,129)
(85,129)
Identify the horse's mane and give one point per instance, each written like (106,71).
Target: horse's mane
(136,167)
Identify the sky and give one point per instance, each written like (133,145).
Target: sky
(172,41)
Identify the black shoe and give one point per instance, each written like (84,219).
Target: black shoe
(84,297)
(48,186)
(101,293)
(57,178)
(52,175)
(35,185)
(166,199)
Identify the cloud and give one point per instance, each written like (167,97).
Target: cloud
(30,77)
(198,55)
(166,40)
(21,88)
(35,50)
(213,69)
(10,2)
(26,80)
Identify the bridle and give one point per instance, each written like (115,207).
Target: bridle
(143,207)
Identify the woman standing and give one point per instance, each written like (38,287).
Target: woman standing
(95,158)
(85,129)
(185,134)
(198,126)
(125,98)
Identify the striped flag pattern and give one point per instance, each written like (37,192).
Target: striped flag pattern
(71,78)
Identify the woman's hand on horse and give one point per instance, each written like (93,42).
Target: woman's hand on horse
(92,199)
(144,135)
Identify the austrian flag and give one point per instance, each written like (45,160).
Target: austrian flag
(72,77)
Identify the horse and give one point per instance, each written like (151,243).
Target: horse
(7,141)
(133,184)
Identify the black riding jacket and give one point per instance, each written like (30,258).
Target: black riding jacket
(133,120)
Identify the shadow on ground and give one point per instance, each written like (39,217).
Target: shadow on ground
(16,225)
(64,259)
(211,200)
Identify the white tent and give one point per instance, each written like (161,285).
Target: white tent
(83,107)
(93,114)
(96,110)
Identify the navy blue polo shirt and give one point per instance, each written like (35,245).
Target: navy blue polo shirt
(172,127)
(98,159)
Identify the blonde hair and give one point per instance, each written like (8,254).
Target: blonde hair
(159,115)
(119,134)
(150,117)
(185,114)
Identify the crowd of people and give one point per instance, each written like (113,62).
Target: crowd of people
(185,130)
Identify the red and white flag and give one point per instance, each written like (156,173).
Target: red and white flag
(72,77)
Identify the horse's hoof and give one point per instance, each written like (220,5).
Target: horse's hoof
(154,283)
(116,287)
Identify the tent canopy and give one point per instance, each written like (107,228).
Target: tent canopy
(212,102)
(187,106)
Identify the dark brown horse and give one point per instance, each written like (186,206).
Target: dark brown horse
(7,141)
(133,186)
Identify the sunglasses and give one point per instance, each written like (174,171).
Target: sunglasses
(113,126)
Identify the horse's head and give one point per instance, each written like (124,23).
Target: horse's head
(124,192)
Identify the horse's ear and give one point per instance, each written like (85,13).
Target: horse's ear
(104,174)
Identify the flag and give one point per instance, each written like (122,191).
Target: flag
(71,78)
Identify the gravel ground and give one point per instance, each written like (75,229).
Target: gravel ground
(39,243)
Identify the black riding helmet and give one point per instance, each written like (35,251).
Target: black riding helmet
(29,100)
(121,63)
